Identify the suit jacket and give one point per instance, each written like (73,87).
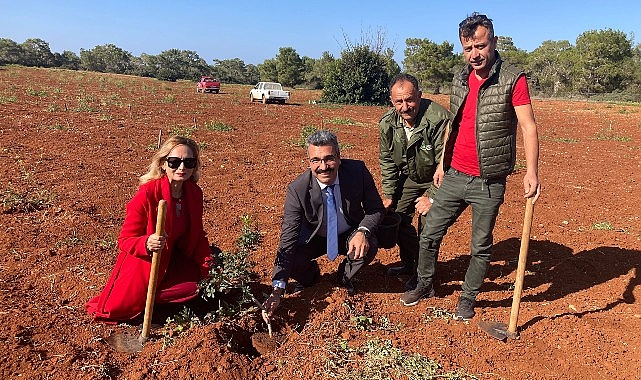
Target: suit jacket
(304,209)
(124,295)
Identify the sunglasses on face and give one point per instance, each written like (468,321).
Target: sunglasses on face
(174,162)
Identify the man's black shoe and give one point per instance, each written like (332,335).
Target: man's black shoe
(412,297)
(400,271)
(465,309)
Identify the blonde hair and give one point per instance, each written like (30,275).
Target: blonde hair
(155,167)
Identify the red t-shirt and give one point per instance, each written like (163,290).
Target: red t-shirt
(464,157)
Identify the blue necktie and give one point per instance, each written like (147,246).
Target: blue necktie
(332,225)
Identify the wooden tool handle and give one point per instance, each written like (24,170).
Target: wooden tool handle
(520,271)
(153,275)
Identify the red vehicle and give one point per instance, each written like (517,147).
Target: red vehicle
(208,84)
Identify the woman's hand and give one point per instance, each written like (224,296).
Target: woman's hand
(156,243)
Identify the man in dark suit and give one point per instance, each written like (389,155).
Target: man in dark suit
(332,208)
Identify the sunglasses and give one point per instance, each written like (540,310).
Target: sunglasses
(174,162)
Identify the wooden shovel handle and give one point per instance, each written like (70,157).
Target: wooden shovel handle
(153,275)
(520,271)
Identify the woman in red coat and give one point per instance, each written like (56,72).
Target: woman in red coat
(172,176)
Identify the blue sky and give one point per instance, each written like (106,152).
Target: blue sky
(254,30)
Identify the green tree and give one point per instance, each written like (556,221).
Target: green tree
(635,85)
(359,76)
(391,66)
(430,63)
(66,60)
(603,61)
(106,59)
(252,74)
(145,66)
(10,52)
(268,71)
(309,80)
(36,52)
(289,67)
(550,66)
(233,71)
(174,64)
(316,70)
(510,53)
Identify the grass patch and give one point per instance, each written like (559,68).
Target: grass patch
(566,140)
(305,132)
(438,313)
(608,134)
(26,201)
(72,240)
(31,92)
(177,130)
(340,120)
(54,127)
(107,243)
(380,360)
(168,99)
(213,125)
(8,99)
(84,104)
(603,226)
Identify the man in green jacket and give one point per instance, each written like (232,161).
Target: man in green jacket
(411,140)
(489,99)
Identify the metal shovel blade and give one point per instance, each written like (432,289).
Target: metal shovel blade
(496,330)
(126,342)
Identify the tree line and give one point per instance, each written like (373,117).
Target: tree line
(602,63)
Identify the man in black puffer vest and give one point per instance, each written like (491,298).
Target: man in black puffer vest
(489,97)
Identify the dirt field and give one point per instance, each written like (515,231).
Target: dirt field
(76,143)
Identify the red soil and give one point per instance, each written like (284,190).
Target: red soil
(87,137)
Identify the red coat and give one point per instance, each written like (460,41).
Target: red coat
(125,293)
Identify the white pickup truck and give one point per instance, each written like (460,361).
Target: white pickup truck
(268,92)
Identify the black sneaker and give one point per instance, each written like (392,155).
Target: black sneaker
(465,309)
(412,297)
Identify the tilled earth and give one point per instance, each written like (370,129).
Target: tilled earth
(74,144)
